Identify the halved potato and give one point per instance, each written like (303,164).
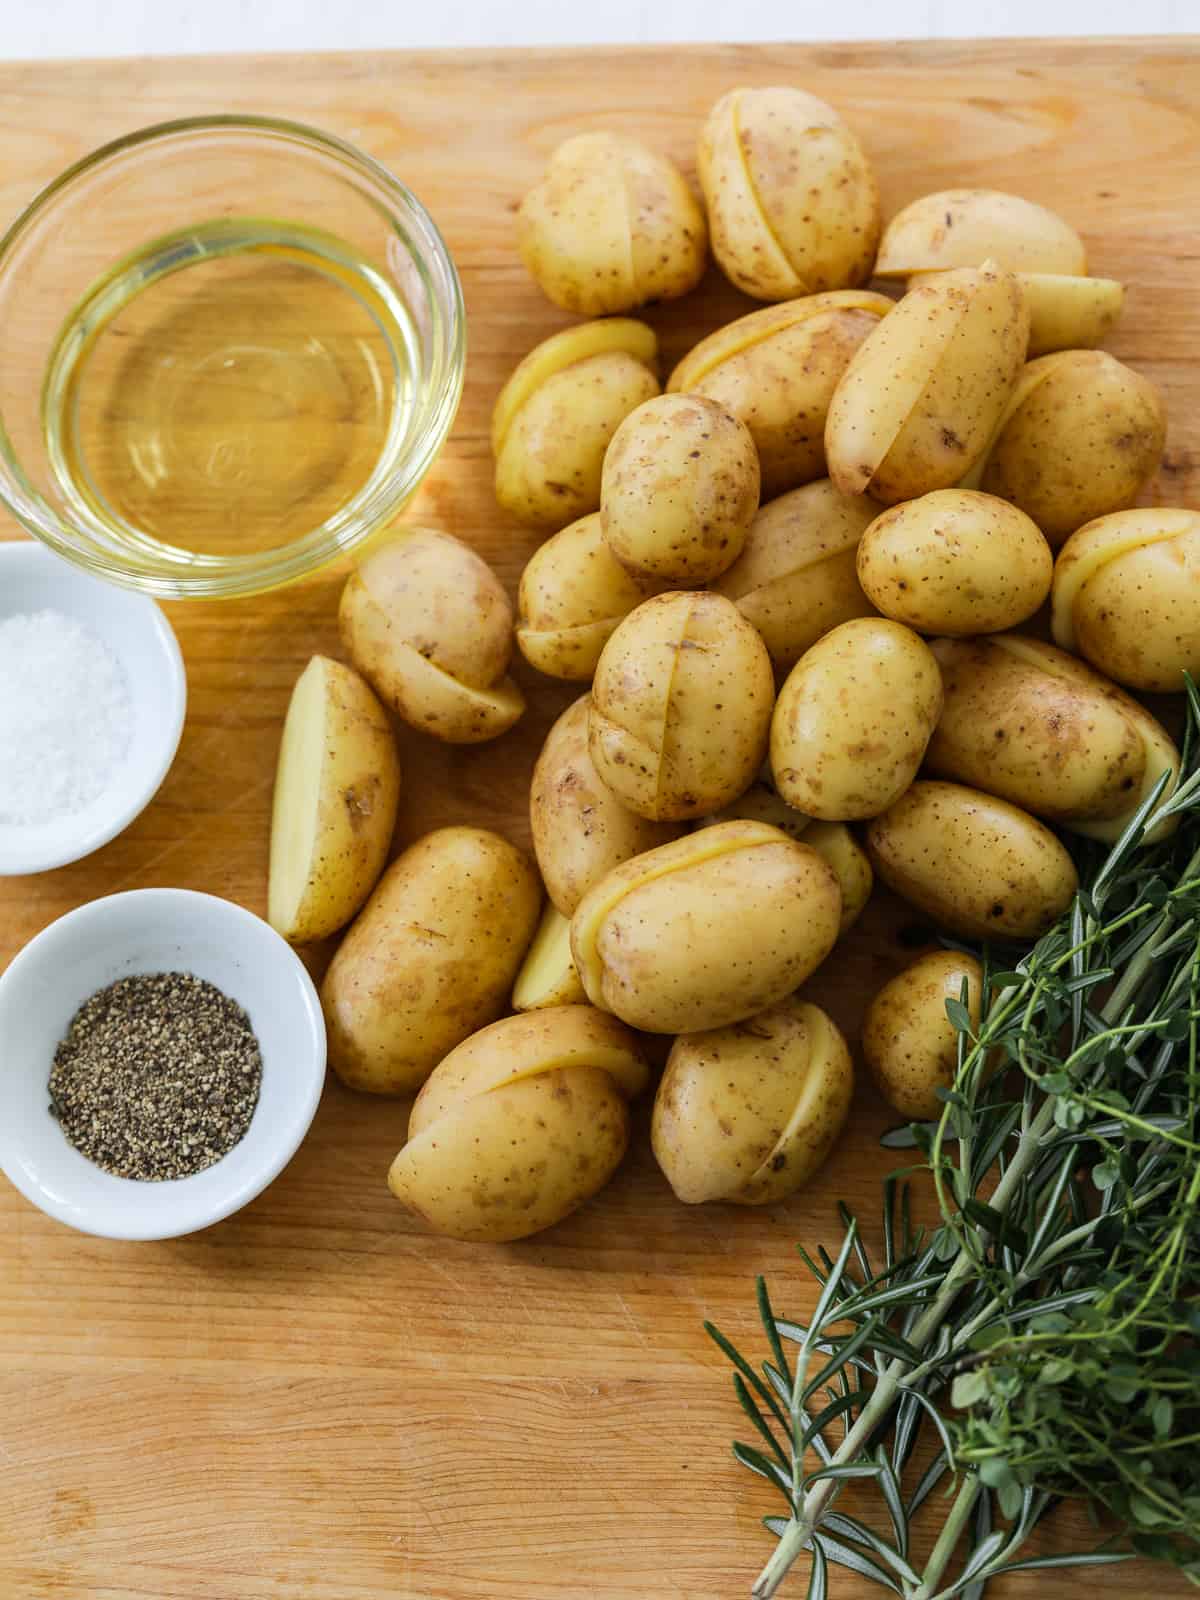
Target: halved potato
(337,786)
(548,976)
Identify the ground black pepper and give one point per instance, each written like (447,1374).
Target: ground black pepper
(157,1077)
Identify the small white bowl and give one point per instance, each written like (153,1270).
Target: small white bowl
(154,930)
(32,578)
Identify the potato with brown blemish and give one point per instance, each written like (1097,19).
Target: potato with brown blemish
(793,207)
(337,786)
(925,390)
(707,930)
(955,562)
(1079,436)
(681,707)
(612,226)
(776,371)
(520,1125)
(978,866)
(1127,596)
(748,1113)
(679,489)
(430,958)
(1030,723)
(573,593)
(853,719)
(580,828)
(556,414)
(796,577)
(428,624)
(909,1043)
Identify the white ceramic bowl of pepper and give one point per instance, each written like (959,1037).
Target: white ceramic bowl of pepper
(92,703)
(222,1065)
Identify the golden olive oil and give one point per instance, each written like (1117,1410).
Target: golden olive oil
(228,388)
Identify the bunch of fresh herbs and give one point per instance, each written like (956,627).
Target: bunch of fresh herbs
(1043,1337)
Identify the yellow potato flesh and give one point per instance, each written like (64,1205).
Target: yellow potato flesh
(548,976)
(609,336)
(747,1114)
(337,786)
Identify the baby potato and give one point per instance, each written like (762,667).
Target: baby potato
(547,976)
(1037,727)
(707,930)
(556,414)
(337,787)
(520,1124)
(978,866)
(428,624)
(611,226)
(853,719)
(748,1113)
(793,207)
(431,957)
(1078,438)
(840,850)
(573,593)
(796,577)
(776,371)
(762,803)
(955,562)
(580,829)
(681,706)
(1127,596)
(679,488)
(923,393)
(965,227)
(909,1043)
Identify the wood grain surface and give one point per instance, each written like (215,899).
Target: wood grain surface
(312,1399)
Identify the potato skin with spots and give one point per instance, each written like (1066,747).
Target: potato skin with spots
(964,227)
(793,206)
(1127,596)
(555,416)
(337,786)
(1080,436)
(707,930)
(796,576)
(955,562)
(776,370)
(923,393)
(681,707)
(573,593)
(430,958)
(853,719)
(909,1044)
(976,865)
(748,1113)
(679,489)
(428,624)
(1039,728)
(612,226)
(580,828)
(520,1124)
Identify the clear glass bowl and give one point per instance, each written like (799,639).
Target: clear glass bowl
(232,348)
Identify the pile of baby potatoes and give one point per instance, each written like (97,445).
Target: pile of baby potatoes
(791,586)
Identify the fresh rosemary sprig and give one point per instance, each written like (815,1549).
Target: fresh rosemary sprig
(1046,1329)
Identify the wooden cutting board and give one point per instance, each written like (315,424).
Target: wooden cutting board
(312,1399)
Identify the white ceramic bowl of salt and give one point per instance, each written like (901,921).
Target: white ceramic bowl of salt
(151,931)
(75,771)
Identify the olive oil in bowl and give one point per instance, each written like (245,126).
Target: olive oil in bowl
(229,388)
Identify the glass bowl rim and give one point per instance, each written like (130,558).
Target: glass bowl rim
(214,577)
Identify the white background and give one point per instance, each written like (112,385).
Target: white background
(158,27)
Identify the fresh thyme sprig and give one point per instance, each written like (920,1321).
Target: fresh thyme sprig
(1046,1329)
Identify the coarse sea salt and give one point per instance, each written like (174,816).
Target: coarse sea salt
(65,716)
